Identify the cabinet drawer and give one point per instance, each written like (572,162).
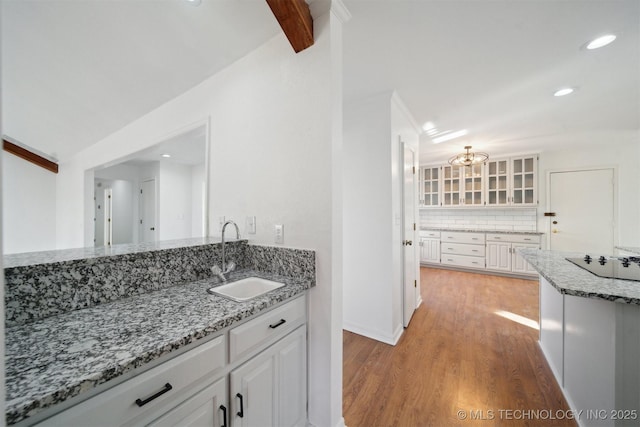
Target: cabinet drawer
(513,238)
(430,234)
(263,330)
(117,406)
(462,261)
(462,237)
(461,249)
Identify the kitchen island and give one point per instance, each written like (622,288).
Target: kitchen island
(590,336)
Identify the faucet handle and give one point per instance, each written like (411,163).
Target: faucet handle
(216,269)
(230,267)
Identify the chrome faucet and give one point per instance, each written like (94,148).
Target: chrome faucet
(220,272)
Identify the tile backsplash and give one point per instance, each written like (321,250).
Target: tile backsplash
(481,219)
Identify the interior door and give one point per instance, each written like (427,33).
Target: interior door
(409,242)
(148,214)
(108,216)
(583,203)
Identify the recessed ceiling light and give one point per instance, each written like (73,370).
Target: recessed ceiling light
(601,41)
(166,155)
(563,91)
(450,136)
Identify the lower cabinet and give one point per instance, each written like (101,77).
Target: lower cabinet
(254,374)
(430,250)
(207,408)
(271,388)
(502,252)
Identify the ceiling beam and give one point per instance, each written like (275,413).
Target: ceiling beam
(294,17)
(29,156)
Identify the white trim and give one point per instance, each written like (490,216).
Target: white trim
(616,186)
(395,99)
(340,10)
(373,334)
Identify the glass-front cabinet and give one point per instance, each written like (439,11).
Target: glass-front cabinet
(451,186)
(497,182)
(523,177)
(430,186)
(472,184)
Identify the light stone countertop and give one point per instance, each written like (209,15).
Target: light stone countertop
(477,230)
(570,279)
(60,357)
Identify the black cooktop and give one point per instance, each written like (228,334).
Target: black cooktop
(625,268)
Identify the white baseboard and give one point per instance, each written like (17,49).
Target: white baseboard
(374,335)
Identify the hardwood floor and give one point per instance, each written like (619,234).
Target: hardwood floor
(457,359)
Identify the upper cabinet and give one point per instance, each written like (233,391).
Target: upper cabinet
(498,182)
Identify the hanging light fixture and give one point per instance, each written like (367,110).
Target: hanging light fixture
(468,158)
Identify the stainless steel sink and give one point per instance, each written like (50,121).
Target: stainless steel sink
(245,289)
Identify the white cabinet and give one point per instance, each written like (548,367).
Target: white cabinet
(473,194)
(430,247)
(512,182)
(430,184)
(207,408)
(271,389)
(451,186)
(502,252)
(462,249)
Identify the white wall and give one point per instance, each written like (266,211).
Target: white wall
(372,204)
(198,186)
(275,145)
(29,205)
(623,156)
(174,201)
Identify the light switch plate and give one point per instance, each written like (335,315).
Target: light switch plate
(251,225)
(279,228)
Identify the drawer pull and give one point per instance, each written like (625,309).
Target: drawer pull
(449,237)
(450,249)
(527,239)
(241,412)
(474,238)
(166,388)
(449,259)
(275,325)
(474,250)
(224,415)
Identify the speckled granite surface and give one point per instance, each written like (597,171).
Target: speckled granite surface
(476,230)
(570,279)
(59,357)
(36,291)
(47,257)
(632,249)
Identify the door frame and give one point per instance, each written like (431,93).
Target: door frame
(583,169)
(156,209)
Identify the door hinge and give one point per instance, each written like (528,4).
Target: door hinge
(414,226)
(415,283)
(141,191)
(414,170)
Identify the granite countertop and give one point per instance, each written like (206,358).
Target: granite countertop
(476,230)
(60,357)
(570,279)
(63,255)
(632,249)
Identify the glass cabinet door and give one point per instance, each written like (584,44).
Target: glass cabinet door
(431,186)
(497,174)
(523,177)
(472,184)
(451,186)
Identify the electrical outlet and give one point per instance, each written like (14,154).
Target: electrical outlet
(251,225)
(279,233)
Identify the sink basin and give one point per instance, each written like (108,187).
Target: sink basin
(245,289)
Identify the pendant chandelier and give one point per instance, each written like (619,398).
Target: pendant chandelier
(468,158)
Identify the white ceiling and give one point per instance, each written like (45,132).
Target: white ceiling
(491,67)
(75,71)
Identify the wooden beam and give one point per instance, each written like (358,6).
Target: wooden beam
(29,156)
(295,20)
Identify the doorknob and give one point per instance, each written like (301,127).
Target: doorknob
(407,242)
(152,229)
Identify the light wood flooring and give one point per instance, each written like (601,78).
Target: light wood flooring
(457,358)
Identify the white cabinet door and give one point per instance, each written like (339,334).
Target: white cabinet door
(271,388)
(524,181)
(498,256)
(518,264)
(207,408)
(430,250)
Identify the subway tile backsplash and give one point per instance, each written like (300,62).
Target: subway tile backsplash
(481,219)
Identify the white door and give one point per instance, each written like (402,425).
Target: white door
(410,243)
(148,211)
(108,216)
(253,392)
(583,204)
(498,256)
